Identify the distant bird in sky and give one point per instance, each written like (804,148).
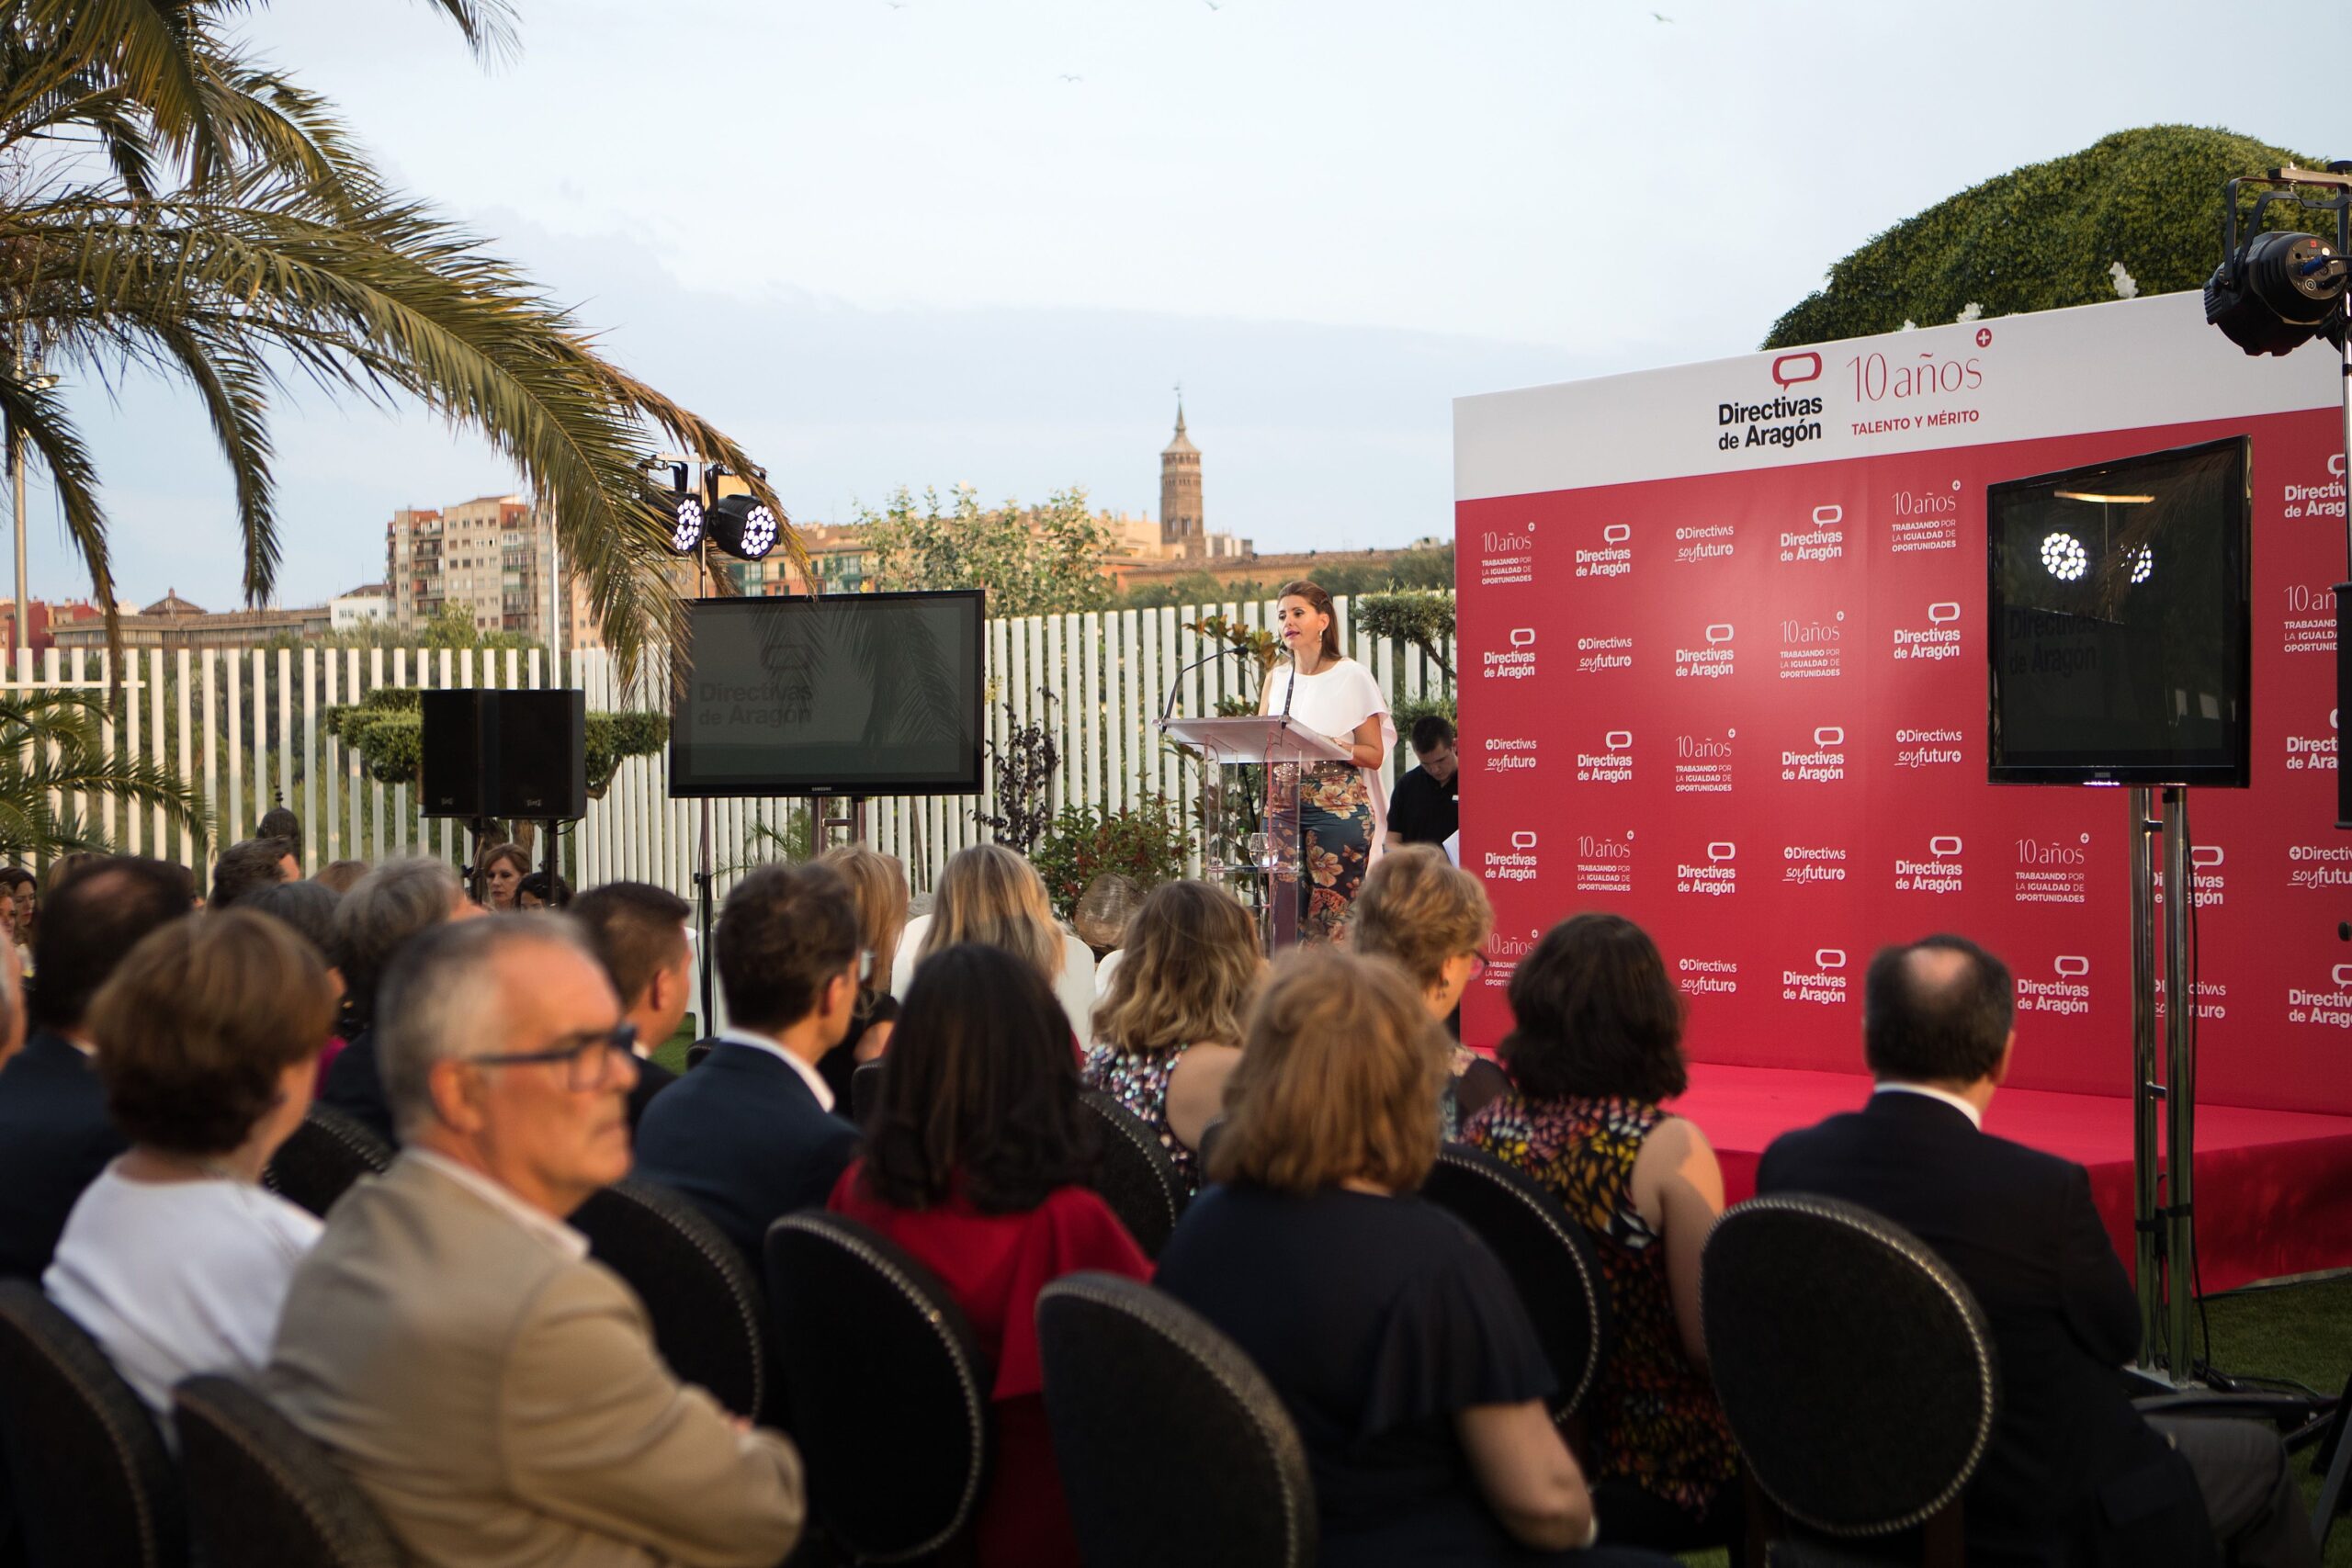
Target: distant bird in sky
(1211,5)
(1661,16)
(1067,77)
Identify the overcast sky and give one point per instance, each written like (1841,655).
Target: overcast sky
(980,241)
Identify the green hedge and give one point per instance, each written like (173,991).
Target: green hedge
(2042,237)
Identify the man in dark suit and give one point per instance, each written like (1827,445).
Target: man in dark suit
(639,932)
(749,1136)
(2074,1474)
(1425,807)
(54,1132)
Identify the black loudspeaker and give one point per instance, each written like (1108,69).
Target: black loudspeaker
(452,776)
(538,754)
(505,753)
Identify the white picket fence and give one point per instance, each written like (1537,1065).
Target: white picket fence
(248,725)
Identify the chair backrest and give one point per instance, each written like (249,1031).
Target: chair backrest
(864,1089)
(259,1490)
(1172,1447)
(886,1388)
(1853,1365)
(85,1464)
(1547,1254)
(326,1155)
(1137,1179)
(709,1322)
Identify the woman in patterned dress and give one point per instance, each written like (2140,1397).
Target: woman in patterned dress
(1341,813)
(1169,1032)
(1429,917)
(1597,1048)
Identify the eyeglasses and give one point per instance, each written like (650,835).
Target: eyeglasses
(1477,967)
(587,1061)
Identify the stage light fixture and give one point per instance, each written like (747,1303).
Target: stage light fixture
(2277,294)
(2143,564)
(2064,558)
(744,527)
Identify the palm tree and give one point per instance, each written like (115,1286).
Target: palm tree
(55,749)
(168,204)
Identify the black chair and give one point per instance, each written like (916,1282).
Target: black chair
(259,1490)
(710,1321)
(1137,1179)
(326,1155)
(1172,1447)
(864,1089)
(887,1390)
(87,1466)
(1547,1256)
(1857,1374)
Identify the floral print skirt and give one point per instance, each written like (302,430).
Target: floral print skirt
(1335,820)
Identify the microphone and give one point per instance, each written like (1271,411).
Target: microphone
(1168,707)
(1291,690)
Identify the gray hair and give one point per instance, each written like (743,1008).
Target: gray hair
(383,910)
(442,1001)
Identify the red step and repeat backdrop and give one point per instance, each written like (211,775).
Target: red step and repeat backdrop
(1723,658)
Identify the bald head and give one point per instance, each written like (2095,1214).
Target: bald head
(1938,1011)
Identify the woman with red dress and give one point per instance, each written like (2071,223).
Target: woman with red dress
(975,1161)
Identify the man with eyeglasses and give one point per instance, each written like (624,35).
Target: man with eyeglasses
(754,1133)
(495,1392)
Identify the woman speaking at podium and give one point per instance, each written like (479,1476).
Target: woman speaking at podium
(1340,812)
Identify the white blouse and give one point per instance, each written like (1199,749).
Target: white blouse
(1333,701)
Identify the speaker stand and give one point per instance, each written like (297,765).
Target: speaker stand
(2163,1170)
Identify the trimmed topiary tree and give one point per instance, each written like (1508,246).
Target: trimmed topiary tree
(2047,236)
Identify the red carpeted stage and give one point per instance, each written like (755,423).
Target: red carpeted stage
(2273,1193)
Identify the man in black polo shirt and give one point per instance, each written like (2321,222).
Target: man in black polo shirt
(1425,807)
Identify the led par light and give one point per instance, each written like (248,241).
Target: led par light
(2277,294)
(744,527)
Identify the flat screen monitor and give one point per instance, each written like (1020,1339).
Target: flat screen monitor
(2120,643)
(858,694)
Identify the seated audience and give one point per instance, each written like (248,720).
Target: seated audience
(277,822)
(309,909)
(55,1135)
(495,1392)
(638,934)
(1168,1032)
(987,893)
(877,884)
(1596,1049)
(751,1135)
(12,998)
(391,904)
(1425,807)
(175,1259)
(249,866)
(22,890)
(542,891)
(2074,1473)
(342,875)
(498,877)
(976,1162)
(1431,919)
(1393,1336)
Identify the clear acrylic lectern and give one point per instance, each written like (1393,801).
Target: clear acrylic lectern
(1261,845)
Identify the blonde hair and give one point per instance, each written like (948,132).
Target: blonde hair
(1339,1080)
(878,885)
(1186,973)
(1417,909)
(988,895)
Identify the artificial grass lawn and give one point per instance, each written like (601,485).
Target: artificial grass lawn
(2302,1331)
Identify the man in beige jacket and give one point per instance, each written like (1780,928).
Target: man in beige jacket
(494,1391)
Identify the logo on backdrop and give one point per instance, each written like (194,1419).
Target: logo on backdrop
(1942,871)
(1819,978)
(1812,650)
(1598,655)
(2068,991)
(1516,863)
(1516,662)
(1605,862)
(2329,1005)
(2319,865)
(2207,879)
(1613,764)
(1508,753)
(2309,625)
(1614,557)
(1825,540)
(1712,660)
(1933,636)
(2315,500)
(1936,747)
(2316,752)
(1696,542)
(1802,863)
(1789,418)
(1824,763)
(1924,519)
(1708,976)
(1713,877)
(1702,763)
(1507,556)
(2053,871)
